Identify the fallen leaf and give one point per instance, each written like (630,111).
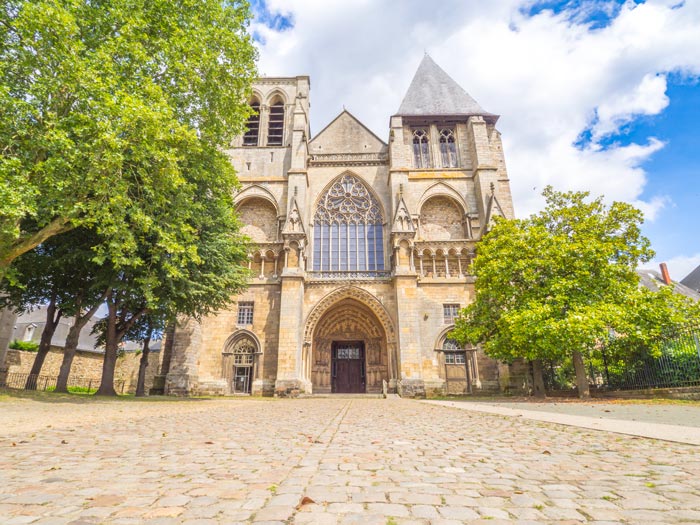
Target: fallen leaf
(64,442)
(547,452)
(208,442)
(304,501)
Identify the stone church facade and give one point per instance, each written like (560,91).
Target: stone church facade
(361,249)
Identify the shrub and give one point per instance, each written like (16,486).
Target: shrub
(29,346)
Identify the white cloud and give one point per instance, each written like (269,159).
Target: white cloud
(550,76)
(647,98)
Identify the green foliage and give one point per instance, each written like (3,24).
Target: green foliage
(75,389)
(28,346)
(558,282)
(113,115)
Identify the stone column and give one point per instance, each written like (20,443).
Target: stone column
(183,376)
(291,380)
(410,318)
(7,327)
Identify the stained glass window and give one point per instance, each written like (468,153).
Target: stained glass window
(348,232)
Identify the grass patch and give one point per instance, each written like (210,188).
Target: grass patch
(75,390)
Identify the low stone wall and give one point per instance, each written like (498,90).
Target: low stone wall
(690,392)
(86,365)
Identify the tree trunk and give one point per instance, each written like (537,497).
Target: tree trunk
(68,355)
(143,365)
(52,318)
(538,389)
(72,341)
(581,377)
(110,360)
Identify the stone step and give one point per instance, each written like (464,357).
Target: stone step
(377,395)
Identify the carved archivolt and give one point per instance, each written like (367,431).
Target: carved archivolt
(443,190)
(242,342)
(349,292)
(256,191)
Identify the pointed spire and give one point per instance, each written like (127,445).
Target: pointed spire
(434,92)
(293,224)
(402,217)
(493,209)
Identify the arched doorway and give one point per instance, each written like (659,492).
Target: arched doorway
(238,362)
(349,350)
(458,365)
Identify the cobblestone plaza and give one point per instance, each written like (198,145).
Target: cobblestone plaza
(368,461)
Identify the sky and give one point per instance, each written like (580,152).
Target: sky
(594,95)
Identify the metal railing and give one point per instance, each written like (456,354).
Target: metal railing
(46,383)
(672,361)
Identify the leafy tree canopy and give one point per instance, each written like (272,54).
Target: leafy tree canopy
(558,282)
(113,114)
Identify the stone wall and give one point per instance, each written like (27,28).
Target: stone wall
(86,366)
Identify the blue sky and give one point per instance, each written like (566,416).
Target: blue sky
(596,95)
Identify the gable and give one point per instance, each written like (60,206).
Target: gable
(346,134)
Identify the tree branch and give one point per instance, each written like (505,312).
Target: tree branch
(55,227)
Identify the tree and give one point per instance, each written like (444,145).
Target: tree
(144,331)
(206,279)
(102,104)
(60,275)
(554,285)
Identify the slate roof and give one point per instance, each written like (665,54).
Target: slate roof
(87,341)
(434,92)
(652,280)
(692,280)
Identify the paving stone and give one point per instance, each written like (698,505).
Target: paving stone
(459,513)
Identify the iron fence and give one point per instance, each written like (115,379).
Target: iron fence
(24,381)
(671,361)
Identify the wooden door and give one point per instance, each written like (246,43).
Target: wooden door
(348,367)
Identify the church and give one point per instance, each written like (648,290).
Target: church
(361,250)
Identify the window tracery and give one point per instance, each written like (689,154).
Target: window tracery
(421,152)
(448,148)
(454,353)
(243,351)
(348,231)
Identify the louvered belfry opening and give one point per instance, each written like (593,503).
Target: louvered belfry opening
(275,130)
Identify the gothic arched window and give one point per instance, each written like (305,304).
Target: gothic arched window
(250,138)
(421,154)
(348,233)
(448,148)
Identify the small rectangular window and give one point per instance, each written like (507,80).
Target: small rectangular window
(450,312)
(245,312)
(455,358)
